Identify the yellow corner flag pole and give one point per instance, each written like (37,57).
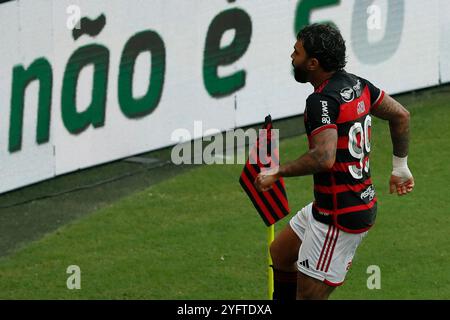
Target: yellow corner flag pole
(270,237)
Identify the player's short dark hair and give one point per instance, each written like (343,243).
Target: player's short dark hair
(325,43)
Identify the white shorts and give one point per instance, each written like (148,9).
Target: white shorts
(326,252)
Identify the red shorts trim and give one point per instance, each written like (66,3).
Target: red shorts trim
(332,284)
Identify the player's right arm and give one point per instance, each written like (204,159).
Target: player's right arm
(322,113)
(391,110)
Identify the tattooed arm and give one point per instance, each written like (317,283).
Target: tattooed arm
(401,179)
(320,157)
(398,118)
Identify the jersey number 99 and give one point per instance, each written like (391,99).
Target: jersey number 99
(358,149)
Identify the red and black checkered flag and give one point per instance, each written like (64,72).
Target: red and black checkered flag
(272,205)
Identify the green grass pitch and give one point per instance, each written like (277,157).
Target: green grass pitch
(197,236)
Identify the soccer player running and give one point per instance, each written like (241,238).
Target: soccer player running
(312,255)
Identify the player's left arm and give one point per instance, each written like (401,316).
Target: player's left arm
(391,110)
(319,158)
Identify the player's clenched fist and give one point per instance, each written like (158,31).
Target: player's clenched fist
(266,179)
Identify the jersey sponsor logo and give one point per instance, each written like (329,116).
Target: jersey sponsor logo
(348,94)
(323,213)
(361,107)
(370,193)
(325,114)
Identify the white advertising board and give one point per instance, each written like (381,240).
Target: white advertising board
(132,72)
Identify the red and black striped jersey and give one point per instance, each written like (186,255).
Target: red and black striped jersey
(344,196)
